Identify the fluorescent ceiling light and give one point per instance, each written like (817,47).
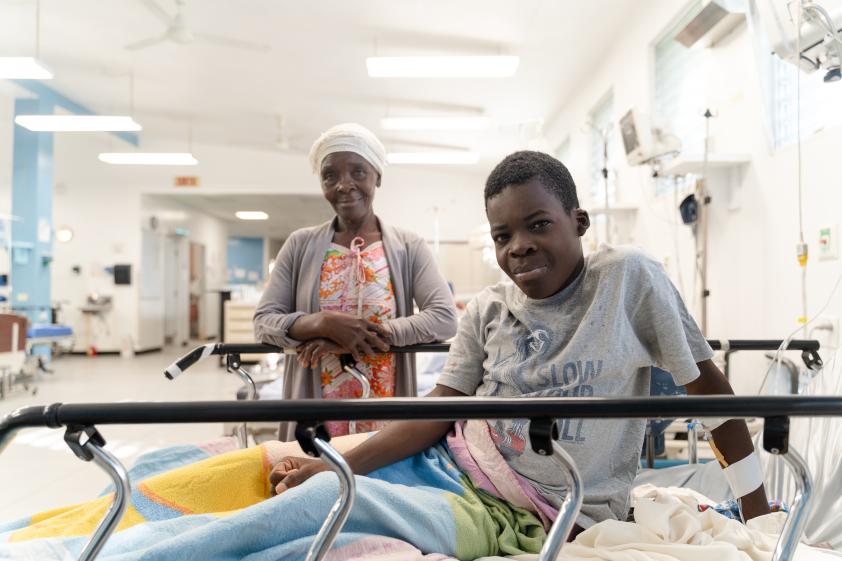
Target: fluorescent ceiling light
(149,158)
(77,123)
(438,158)
(442,66)
(434,123)
(23,68)
(251,215)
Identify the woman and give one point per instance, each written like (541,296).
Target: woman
(348,286)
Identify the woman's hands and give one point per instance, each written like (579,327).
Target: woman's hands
(338,333)
(311,352)
(293,471)
(358,335)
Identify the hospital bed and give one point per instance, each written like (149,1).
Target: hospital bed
(12,353)
(80,422)
(19,365)
(55,335)
(48,334)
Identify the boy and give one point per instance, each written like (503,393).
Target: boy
(568,326)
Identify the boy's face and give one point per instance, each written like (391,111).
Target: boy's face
(536,240)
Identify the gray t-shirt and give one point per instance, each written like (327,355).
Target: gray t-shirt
(597,337)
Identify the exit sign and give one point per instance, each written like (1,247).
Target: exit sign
(186,181)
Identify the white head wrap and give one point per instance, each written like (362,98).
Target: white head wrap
(348,137)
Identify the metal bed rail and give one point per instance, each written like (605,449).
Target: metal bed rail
(80,421)
(809,353)
(809,350)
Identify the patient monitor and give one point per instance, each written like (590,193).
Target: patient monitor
(643,143)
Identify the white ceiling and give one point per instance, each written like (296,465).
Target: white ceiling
(315,72)
(287,213)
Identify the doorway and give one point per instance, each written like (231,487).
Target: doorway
(176,291)
(197,292)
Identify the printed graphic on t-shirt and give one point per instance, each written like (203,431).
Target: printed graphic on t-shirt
(530,373)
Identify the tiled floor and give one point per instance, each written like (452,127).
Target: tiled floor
(38,471)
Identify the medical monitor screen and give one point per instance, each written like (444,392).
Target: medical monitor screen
(628,131)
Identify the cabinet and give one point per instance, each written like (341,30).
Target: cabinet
(238,326)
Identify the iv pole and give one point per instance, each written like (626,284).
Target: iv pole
(604,133)
(703,199)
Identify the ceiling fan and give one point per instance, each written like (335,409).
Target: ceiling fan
(179,32)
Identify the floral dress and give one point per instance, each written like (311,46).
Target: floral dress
(356,281)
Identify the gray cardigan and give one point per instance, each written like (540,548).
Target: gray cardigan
(293,291)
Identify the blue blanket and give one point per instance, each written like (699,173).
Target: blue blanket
(220,508)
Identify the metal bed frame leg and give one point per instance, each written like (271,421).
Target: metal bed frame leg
(314,441)
(543,434)
(351,368)
(692,442)
(776,441)
(87,444)
(234,365)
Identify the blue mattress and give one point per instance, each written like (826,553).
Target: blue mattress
(44,330)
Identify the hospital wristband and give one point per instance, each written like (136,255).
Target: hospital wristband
(745,476)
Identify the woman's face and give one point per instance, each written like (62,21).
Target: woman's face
(348,184)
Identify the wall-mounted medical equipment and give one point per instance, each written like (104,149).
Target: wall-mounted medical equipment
(714,20)
(643,143)
(821,33)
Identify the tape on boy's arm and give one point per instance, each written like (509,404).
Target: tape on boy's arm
(745,476)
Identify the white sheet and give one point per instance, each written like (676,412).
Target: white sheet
(668,527)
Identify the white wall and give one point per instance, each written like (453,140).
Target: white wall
(108,206)
(753,275)
(107,211)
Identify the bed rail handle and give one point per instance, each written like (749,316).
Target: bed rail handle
(543,437)
(800,509)
(175,369)
(235,366)
(350,368)
(776,441)
(314,439)
(88,445)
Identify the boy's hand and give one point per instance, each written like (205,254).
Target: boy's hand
(292,471)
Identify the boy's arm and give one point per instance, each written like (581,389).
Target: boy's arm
(731,438)
(398,440)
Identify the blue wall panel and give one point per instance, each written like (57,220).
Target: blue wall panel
(32,202)
(245,260)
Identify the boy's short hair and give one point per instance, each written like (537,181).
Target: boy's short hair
(520,167)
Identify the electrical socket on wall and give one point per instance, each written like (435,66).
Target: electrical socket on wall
(829,242)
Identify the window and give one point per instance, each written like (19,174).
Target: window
(602,131)
(821,103)
(679,91)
